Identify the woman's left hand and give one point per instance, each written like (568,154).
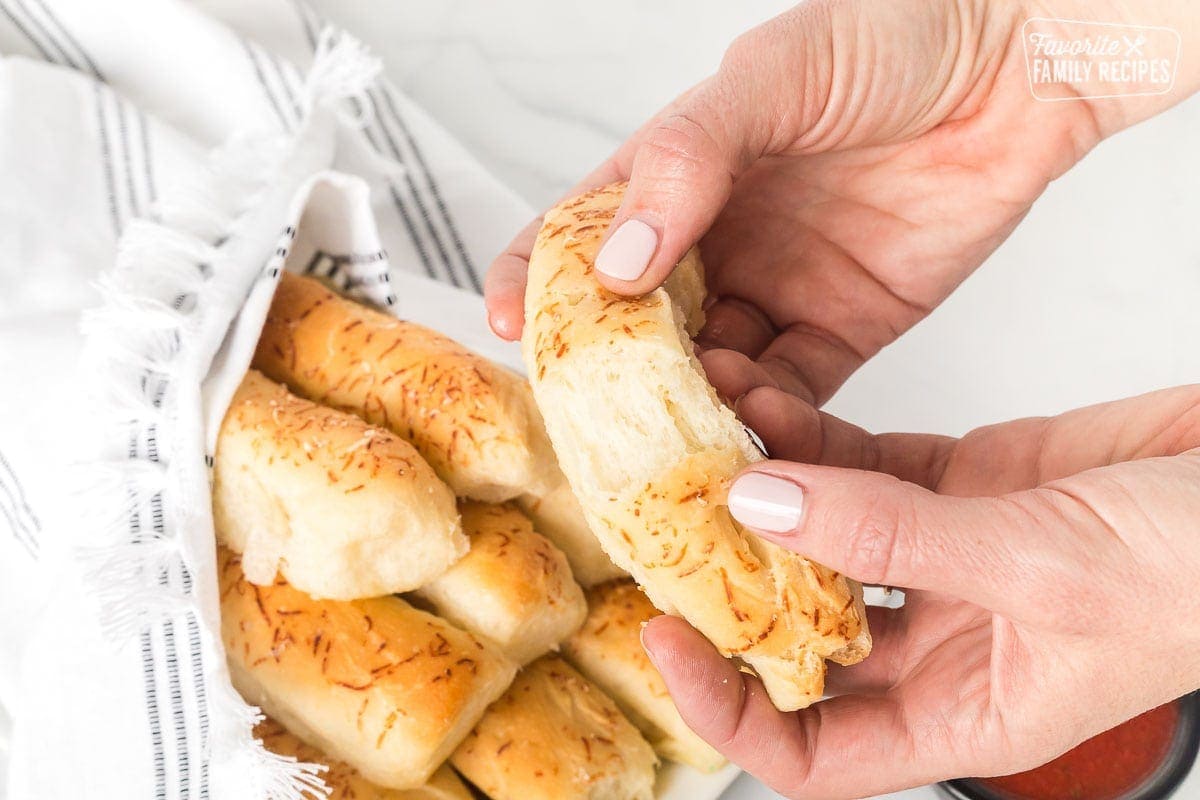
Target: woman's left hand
(1051,568)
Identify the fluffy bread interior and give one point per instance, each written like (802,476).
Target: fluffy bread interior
(650,452)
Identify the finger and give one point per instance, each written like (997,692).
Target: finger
(733,375)
(1038,450)
(504,285)
(881,669)
(682,174)
(771,369)
(849,746)
(878,529)
(729,710)
(738,325)
(793,430)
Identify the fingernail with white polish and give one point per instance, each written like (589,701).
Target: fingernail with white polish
(628,251)
(767,503)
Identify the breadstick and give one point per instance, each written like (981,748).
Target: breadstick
(513,586)
(387,688)
(344,510)
(650,451)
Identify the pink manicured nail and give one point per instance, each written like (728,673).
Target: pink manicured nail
(767,503)
(628,251)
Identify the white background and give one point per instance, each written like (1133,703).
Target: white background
(1093,298)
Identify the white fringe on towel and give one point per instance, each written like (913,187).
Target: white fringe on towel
(141,344)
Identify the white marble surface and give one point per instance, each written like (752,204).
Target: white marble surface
(1092,299)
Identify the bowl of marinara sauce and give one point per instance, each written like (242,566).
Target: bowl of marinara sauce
(1146,758)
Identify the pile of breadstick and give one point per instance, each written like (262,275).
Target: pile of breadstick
(409,588)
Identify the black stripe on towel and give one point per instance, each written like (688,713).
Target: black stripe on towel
(91,65)
(266,87)
(55,52)
(184,769)
(63,56)
(58,42)
(426,218)
(197,659)
(18,533)
(306,21)
(136,207)
(286,74)
(147,161)
(431,183)
(21,519)
(150,689)
(401,206)
(106,159)
(149,663)
(24,31)
(171,655)
(149,668)
(309,21)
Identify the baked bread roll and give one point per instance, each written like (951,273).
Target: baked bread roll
(557,515)
(650,450)
(473,421)
(342,509)
(513,586)
(555,736)
(347,783)
(385,687)
(608,651)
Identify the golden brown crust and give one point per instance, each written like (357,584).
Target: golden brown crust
(650,451)
(472,420)
(377,683)
(608,650)
(555,736)
(557,515)
(342,509)
(513,586)
(347,783)
(475,422)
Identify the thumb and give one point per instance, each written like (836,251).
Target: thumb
(878,529)
(684,165)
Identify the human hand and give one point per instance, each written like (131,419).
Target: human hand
(1051,566)
(854,163)
(848,165)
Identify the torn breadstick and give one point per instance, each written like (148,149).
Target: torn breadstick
(650,451)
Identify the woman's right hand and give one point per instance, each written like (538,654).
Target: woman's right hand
(1049,566)
(848,165)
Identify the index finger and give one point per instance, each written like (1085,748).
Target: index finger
(504,285)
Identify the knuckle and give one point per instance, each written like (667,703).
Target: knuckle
(743,52)
(681,140)
(873,541)
(1045,589)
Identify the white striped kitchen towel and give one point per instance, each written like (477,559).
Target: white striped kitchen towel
(187,152)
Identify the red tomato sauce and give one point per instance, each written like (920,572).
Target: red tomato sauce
(1102,768)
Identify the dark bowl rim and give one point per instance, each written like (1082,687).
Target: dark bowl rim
(1181,758)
